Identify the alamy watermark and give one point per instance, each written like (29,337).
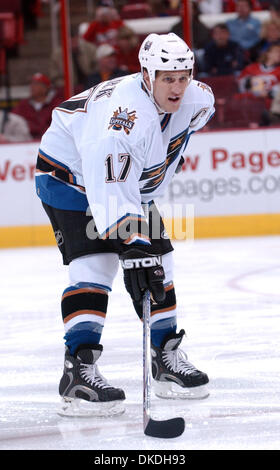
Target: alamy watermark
(123,222)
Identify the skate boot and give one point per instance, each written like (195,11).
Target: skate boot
(84,391)
(174,376)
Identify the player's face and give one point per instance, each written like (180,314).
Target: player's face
(169,89)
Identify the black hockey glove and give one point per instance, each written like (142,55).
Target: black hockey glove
(143,271)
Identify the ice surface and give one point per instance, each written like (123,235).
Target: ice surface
(228,295)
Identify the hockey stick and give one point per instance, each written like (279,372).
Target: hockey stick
(167,428)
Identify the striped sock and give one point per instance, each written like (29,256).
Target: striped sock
(84,308)
(163,316)
(161,328)
(86,333)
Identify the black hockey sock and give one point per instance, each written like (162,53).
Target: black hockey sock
(84,308)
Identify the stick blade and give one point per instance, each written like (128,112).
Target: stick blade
(167,429)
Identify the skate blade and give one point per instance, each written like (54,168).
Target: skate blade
(173,391)
(82,408)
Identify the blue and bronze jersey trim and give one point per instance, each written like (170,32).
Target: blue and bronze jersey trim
(165,121)
(46,164)
(57,186)
(156,174)
(134,228)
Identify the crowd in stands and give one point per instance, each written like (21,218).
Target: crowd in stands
(239,58)
(240,61)
(36,109)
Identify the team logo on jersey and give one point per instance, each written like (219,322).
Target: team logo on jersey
(122,119)
(204,87)
(147,46)
(198,116)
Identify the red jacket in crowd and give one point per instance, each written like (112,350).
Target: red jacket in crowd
(37,116)
(100,33)
(259,82)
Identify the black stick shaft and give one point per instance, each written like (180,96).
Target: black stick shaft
(146,347)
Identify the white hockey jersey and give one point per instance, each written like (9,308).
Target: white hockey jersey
(108,149)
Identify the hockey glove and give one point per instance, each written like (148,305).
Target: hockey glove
(143,271)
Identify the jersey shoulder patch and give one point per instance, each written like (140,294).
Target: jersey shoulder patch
(204,87)
(122,119)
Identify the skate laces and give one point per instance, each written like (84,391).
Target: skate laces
(90,373)
(177,361)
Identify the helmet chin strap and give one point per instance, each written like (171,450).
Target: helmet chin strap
(151,96)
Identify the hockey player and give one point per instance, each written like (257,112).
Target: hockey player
(109,150)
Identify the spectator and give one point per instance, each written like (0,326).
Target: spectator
(107,66)
(105,26)
(210,6)
(83,60)
(222,55)
(270,36)
(245,29)
(13,128)
(262,79)
(127,50)
(37,109)
(272,115)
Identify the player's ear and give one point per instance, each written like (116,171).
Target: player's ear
(147,79)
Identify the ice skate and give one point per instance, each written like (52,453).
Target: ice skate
(174,376)
(84,391)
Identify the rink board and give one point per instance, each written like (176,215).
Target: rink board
(229,186)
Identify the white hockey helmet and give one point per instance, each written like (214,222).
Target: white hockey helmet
(166,52)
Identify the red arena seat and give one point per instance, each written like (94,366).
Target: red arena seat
(136,10)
